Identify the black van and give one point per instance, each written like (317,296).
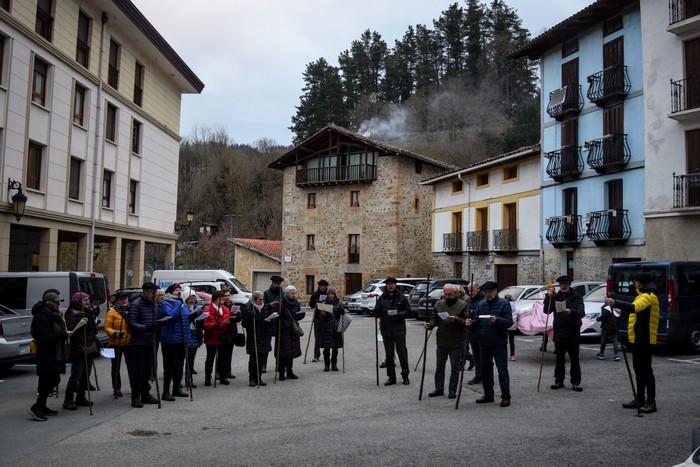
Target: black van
(678,288)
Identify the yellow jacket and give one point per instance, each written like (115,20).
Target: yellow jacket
(643,324)
(116,322)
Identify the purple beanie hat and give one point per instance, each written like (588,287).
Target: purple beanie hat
(78,297)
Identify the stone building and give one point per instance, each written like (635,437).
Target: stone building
(84,135)
(354,211)
(256,261)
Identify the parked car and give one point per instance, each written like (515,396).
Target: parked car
(425,311)
(369,295)
(417,293)
(15,335)
(518,291)
(592,301)
(134,293)
(582,287)
(353,302)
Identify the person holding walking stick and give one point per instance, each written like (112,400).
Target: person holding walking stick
(288,343)
(449,316)
(196,334)
(119,339)
(329,338)
(319,296)
(256,320)
(642,328)
(392,308)
(141,321)
(84,346)
(475,296)
(218,320)
(173,340)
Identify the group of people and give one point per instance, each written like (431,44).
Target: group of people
(479,319)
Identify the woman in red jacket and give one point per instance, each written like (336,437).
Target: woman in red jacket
(218,320)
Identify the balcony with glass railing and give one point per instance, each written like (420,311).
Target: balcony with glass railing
(565,102)
(565,164)
(564,231)
(686,190)
(505,240)
(478,242)
(609,227)
(609,154)
(609,85)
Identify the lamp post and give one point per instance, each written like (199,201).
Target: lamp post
(189,215)
(19,199)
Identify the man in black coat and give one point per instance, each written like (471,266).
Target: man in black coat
(51,338)
(319,296)
(475,295)
(568,309)
(392,308)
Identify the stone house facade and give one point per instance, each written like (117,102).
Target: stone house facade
(256,261)
(354,211)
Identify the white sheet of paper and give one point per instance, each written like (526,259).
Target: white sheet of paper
(324,307)
(484,316)
(444,315)
(379,337)
(560,306)
(107,353)
(80,324)
(202,316)
(392,312)
(164,319)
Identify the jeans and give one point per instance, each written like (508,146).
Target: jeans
(441,354)
(561,349)
(398,343)
(498,354)
(604,335)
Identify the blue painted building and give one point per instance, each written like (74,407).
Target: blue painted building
(592,137)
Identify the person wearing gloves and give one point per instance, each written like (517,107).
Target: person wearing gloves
(142,322)
(449,316)
(492,318)
(196,332)
(288,346)
(173,339)
(567,306)
(218,320)
(330,340)
(256,317)
(392,308)
(83,347)
(119,339)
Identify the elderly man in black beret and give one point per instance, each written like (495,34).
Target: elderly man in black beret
(392,308)
(493,317)
(274,293)
(568,309)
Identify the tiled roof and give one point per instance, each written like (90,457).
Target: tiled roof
(269,248)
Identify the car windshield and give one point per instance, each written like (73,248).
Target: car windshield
(513,291)
(421,287)
(369,288)
(537,294)
(596,295)
(436,294)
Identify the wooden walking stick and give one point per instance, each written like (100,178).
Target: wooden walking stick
(188,376)
(422,377)
(154,365)
(427,318)
(87,369)
(627,365)
(255,342)
(279,345)
(308,341)
(544,334)
(117,369)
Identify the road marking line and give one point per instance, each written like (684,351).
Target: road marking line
(695,361)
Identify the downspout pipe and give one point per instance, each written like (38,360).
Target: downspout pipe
(96,175)
(469,219)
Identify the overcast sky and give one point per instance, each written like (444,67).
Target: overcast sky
(251,54)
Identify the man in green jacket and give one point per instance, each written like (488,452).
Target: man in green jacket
(449,315)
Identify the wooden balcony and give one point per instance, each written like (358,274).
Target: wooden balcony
(342,174)
(610,85)
(609,154)
(686,190)
(478,242)
(565,102)
(505,241)
(565,164)
(564,231)
(610,227)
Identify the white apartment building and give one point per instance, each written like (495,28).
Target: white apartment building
(90,99)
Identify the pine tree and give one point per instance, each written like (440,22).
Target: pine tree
(450,33)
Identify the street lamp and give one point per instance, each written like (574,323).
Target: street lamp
(19,199)
(189,215)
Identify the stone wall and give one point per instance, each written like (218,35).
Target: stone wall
(248,261)
(483,267)
(590,262)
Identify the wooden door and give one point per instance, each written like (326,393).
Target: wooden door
(613,61)
(692,73)
(613,129)
(615,224)
(692,158)
(506,275)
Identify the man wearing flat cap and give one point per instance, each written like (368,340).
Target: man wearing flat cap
(392,308)
(642,327)
(492,318)
(568,309)
(319,296)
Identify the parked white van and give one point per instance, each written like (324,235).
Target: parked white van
(204,280)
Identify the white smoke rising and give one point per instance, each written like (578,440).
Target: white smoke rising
(393,126)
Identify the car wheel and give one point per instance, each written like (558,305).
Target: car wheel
(693,341)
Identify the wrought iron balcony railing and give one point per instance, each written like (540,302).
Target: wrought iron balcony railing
(360,173)
(608,154)
(686,190)
(478,241)
(612,83)
(505,240)
(609,227)
(679,10)
(564,231)
(565,164)
(113,76)
(565,101)
(452,242)
(685,94)
(44,24)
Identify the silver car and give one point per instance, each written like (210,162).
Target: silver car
(15,336)
(592,302)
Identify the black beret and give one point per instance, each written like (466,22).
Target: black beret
(149,286)
(390,280)
(323,282)
(564,278)
(277,279)
(489,285)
